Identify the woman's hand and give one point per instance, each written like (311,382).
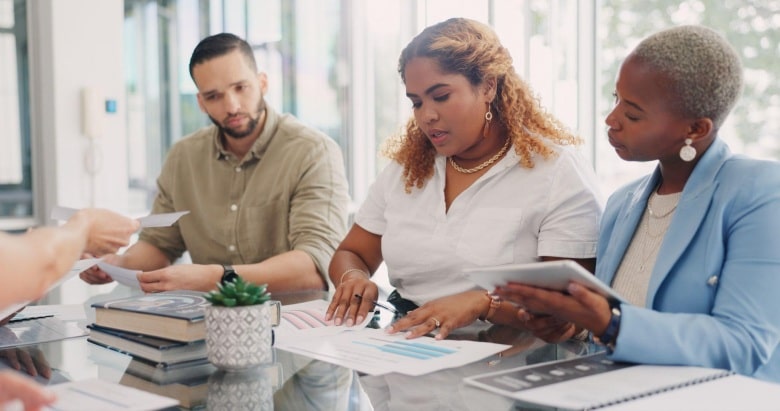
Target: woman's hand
(446,314)
(581,306)
(547,327)
(346,306)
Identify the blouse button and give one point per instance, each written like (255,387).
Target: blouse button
(712,281)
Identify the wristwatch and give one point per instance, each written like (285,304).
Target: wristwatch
(609,337)
(228,274)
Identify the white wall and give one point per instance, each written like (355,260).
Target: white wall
(71,49)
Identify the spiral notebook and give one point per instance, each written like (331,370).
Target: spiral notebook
(594,382)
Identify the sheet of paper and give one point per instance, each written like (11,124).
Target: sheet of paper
(153,220)
(161,220)
(64,312)
(307,320)
(121,275)
(375,352)
(101,395)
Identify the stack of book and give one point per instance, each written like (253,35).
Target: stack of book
(165,328)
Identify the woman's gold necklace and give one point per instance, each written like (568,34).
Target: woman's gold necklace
(487,162)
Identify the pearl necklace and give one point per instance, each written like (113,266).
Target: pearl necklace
(487,162)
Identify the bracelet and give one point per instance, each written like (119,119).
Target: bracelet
(495,302)
(341,280)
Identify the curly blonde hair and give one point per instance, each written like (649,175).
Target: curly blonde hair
(472,49)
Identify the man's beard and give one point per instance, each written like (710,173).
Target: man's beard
(250,128)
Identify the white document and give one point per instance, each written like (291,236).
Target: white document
(153,220)
(121,275)
(161,220)
(375,352)
(64,312)
(307,320)
(101,395)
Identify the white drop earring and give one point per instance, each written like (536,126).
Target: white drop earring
(688,152)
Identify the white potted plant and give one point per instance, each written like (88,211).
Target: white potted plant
(238,325)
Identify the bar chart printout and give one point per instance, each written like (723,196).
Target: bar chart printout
(375,352)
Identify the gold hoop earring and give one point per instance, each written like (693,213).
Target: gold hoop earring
(488,118)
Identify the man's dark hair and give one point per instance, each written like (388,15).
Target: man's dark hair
(218,45)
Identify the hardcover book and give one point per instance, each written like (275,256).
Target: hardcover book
(191,394)
(173,315)
(160,373)
(155,349)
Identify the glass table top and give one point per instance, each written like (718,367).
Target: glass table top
(296,382)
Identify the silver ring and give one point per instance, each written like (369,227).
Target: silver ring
(436,322)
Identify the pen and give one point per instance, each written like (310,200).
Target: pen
(378,304)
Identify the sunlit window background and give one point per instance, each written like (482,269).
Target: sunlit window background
(333,64)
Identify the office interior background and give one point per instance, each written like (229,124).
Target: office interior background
(332,63)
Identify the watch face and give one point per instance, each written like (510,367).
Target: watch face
(229,276)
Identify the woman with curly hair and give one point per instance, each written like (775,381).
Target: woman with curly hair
(482,176)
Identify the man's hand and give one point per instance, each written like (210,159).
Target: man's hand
(197,277)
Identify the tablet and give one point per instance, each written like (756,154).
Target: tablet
(553,275)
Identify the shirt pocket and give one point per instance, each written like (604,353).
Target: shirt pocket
(490,236)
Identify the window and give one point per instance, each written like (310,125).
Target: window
(333,64)
(752,27)
(16,195)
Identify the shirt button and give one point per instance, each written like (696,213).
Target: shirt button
(233,207)
(712,281)
(232,247)
(238,169)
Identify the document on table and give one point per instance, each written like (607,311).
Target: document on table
(101,395)
(306,320)
(64,312)
(153,220)
(375,352)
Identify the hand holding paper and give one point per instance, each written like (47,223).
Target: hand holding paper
(153,220)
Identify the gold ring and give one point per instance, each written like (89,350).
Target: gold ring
(436,322)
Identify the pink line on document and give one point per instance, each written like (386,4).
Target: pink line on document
(314,319)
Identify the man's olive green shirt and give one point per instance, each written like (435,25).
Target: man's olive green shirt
(288,193)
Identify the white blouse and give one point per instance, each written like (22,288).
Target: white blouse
(511,214)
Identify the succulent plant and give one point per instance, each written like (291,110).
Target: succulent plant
(238,293)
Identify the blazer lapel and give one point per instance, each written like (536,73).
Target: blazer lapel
(625,225)
(694,202)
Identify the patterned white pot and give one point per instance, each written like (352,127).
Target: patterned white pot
(249,390)
(238,338)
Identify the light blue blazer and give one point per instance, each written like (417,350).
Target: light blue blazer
(714,294)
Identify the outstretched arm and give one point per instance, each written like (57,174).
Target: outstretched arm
(31,262)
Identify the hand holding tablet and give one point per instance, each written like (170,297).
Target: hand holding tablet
(553,275)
